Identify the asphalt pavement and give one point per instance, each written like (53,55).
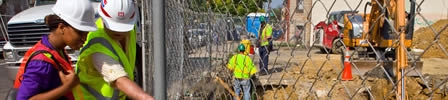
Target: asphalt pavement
(5,83)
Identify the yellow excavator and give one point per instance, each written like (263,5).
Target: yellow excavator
(382,37)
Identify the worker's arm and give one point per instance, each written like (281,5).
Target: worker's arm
(68,82)
(37,80)
(131,89)
(231,63)
(114,73)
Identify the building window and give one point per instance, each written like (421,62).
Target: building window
(300,6)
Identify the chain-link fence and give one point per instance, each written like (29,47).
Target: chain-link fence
(322,49)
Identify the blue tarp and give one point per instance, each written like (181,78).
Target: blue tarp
(276,34)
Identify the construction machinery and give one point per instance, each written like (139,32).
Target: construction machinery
(385,34)
(382,37)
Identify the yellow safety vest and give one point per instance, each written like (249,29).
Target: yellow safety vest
(93,86)
(242,66)
(267,31)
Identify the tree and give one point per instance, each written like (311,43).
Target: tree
(276,14)
(232,7)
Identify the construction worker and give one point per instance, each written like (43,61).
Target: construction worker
(243,69)
(46,72)
(264,38)
(107,61)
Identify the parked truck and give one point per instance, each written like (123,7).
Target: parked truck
(328,34)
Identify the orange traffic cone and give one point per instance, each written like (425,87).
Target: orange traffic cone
(347,73)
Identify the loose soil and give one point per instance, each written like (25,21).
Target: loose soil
(424,37)
(318,77)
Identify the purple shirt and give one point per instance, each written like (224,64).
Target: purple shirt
(39,77)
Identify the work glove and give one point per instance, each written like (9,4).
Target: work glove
(256,51)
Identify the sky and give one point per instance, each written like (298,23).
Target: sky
(276,3)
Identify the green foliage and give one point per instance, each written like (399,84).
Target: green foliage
(276,15)
(232,7)
(197,5)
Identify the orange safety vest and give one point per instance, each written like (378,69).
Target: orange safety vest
(59,64)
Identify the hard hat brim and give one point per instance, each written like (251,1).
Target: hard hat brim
(118,27)
(82,26)
(87,26)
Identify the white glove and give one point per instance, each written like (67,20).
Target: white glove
(256,51)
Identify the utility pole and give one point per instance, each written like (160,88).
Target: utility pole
(286,32)
(158,19)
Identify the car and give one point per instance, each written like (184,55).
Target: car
(197,37)
(234,35)
(203,26)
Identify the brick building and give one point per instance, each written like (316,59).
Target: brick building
(296,16)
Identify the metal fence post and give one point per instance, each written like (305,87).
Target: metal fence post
(159,49)
(143,74)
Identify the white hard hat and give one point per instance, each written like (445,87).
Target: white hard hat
(118,15)
(78,13)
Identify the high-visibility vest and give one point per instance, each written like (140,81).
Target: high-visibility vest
(62,63)
(267,31)
(242,66)
(93,86)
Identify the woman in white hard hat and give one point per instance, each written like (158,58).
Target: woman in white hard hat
(107,61)
(46,72)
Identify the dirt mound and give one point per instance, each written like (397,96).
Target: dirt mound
(423,38)
(378,88)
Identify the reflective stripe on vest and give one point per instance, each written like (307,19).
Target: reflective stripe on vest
(92,91)
(98,96)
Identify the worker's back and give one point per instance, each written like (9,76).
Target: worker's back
(242,66)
